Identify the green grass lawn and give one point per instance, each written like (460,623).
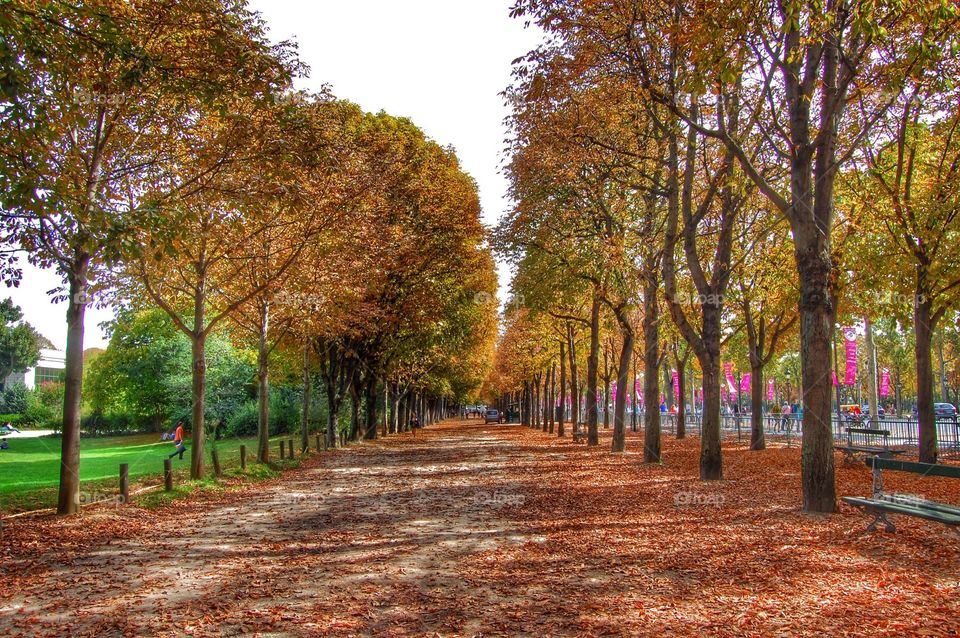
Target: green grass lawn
(30,469)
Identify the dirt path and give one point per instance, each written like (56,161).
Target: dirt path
(472,530)
(386,522)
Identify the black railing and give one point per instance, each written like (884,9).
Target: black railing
(904,432)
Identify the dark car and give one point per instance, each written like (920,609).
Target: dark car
(491,416)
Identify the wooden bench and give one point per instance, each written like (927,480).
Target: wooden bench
(880,504)
(864,443)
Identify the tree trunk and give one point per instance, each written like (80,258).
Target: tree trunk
(651,377)
(563,391)
(552,397)
(305,403)
(872,400)
(816,336)
(68,498)
(574,381)
(634,399)
(333,399)
(525,404)
(199,400)
(681,407)
(606,388)
(535,402)
(354,411)
(668,387)
(926,416)
(263,388)
(944,390)
(623,372)
(371,408)
(757,437)
(395,409)
(593,435)
(711,462)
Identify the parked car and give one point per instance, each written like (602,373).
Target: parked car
(865,408)
(944,411)
(492,416)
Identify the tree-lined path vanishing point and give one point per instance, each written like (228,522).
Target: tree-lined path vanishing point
(468,530)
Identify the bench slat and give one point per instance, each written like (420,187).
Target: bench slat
(868,431)
(900,508)
(865,449)
(926,469)
(906,499)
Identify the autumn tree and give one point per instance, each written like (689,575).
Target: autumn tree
(909,183)
(96,97)
(804,63)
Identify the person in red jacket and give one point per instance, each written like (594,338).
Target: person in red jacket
(178,441)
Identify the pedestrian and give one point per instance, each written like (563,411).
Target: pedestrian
(178,442)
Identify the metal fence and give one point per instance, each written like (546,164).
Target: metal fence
(903,432)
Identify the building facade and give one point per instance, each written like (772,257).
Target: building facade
(50,367)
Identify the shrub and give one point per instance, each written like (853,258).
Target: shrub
(14,419)
(243,422)
(99,423)
(15,399)
(284,415)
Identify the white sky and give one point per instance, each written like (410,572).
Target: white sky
(441,63)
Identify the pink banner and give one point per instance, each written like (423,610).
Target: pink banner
(771,389)
(745,383)
(850,343)
(728,373)
(700,395)
(676,385)
(833,376)
(885,383)
(723,392)
(613,393)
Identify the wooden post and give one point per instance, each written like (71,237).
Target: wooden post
(124,483)
(217,471)
(243,457)
(290,442)
(283,450)
(167,475)
(319,447)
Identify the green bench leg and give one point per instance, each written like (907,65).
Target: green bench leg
(880,517)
